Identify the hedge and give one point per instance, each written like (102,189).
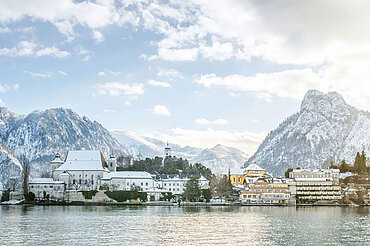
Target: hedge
(123,196)
(88,194)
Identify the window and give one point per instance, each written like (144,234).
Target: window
(165,184)
(146,183)
(128,183)
(169,189)
(142,184)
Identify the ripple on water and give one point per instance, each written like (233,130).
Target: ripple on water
(69,225)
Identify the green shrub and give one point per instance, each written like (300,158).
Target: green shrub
(123,195)
(5,196)
(30,196)
(88,194)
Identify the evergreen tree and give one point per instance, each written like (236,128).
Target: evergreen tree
(362,169)
(207,194)
(224,187)
(192,192)
(357,163)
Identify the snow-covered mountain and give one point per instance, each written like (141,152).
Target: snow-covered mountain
(325,127)
(141,147)
(218,158)
(40,134)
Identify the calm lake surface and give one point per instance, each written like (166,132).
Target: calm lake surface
(85,225)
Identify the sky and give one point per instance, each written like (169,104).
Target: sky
(190,72)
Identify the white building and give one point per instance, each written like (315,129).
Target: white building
(128,180)
(176,183)
(319,185)
(43,187)
(82,170)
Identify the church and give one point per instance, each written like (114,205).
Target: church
(82,169)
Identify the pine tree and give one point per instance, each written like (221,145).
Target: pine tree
(362,165)
(357,163)
(192,192)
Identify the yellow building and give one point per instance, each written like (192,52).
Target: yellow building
(239,176)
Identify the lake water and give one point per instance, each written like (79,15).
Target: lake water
(94,225)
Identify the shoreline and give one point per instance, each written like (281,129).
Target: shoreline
(169,204)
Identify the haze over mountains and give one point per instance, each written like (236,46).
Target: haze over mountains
(218,159)
(325,127)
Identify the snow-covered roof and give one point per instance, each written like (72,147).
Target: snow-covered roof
(237,171)
(87,160)
(316,170)
(254,167)
(127,175)
(179,177)
(313,179)
(44,181)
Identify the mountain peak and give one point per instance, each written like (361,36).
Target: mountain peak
(316,100)
(325,127)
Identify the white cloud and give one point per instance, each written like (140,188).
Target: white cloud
(109,111)
(169,73)
(107,71)
(117,89)
(159,83)
(5,88)
(160,110)
(98,36)
(26,48)
(52,51)
(62,73)
(86,58)
(65,14)
(211,122)
(217,51)
(349,77)
(289,83)
(175,54)
(46,74)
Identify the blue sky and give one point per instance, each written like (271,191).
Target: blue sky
(191,72)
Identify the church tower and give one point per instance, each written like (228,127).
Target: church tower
(167,153)
(112,163)
(56,162)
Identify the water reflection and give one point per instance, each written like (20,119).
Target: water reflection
(118,225)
